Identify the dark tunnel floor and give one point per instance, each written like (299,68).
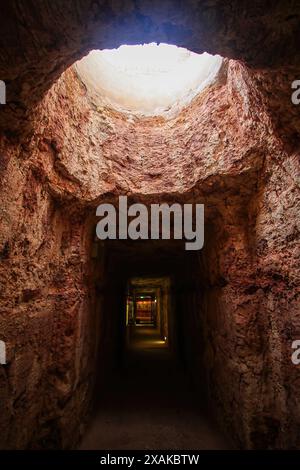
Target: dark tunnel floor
(150,405)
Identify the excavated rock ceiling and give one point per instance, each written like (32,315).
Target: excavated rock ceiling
(86,152)
(40,40)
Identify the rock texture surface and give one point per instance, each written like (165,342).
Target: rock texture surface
(235,149)
(39,40)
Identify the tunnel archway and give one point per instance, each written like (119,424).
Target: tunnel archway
(155,362)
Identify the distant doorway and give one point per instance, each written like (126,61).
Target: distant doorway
(145,310)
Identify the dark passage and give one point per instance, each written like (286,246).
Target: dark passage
(151,404)
(153,393)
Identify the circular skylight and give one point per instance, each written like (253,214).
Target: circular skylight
(149,79)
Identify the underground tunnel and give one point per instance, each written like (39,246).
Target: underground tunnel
(142,344)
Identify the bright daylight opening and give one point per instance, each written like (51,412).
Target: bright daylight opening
(149,79)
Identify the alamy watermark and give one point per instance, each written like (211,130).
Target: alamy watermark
(296,94)
(188,222)
(2,92)
(2,353)
(296,353)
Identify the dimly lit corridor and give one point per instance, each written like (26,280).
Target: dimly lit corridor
(152,394)
(149,225)
(151,404)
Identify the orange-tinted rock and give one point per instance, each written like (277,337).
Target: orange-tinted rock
(235,149)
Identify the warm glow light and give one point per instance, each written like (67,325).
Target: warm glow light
(149,79)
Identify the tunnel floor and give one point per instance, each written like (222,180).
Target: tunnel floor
(150,404)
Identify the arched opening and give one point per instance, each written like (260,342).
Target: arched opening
(147,80)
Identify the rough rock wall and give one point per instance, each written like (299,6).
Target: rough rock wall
(47,310)
(228,150)
(246,312)
(249,284)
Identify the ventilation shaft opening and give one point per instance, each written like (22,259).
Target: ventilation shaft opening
(147,79)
